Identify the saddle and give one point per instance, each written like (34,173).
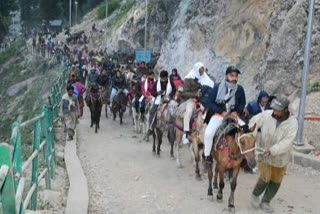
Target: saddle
(229,124)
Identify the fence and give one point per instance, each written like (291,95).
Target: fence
(12,182)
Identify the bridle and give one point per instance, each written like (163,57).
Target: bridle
(238,142)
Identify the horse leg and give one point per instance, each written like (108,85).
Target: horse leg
(106,110)
(154,142)
(215,181)
(120,116)
(221,183)
(233,188)
(114,114)
(91,113)
(171,140)
(159,134)
(177,145)
(210,194)
(197,159)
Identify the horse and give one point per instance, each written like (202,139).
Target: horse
(140,119)
(196,132)
(94,101)
(119,105)
(105,92)
(231,146)
(164,122)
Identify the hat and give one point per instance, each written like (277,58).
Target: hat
(232,69)
(280,103)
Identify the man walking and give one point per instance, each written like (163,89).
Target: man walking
(276,132)
(69,111)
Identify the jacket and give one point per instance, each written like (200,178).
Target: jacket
(92,78)
(163,88)
(103,80)
(254,106)
(278,140)
(147,93)
(119,83)
(210,101)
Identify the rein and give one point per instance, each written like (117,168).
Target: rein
(238,142)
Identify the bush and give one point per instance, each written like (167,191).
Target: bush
(11,50)
(315,86)
(112,6)
(123,12)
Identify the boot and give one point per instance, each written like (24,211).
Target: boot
(260,187)
(266,207)
(270,192)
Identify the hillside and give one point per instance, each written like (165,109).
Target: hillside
(265,39)
(24,87)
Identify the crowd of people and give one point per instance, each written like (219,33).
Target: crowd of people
(95,71)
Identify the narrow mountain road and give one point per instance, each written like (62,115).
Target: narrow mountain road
(125,177)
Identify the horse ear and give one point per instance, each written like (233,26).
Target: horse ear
(253,128)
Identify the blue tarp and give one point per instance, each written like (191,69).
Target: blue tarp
(141,55)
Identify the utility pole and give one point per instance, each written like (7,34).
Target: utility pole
(76,16)
(70,5)
(299,138)
(107,25)
(145,31)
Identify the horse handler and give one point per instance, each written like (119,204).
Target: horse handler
(276,132)
(69,111)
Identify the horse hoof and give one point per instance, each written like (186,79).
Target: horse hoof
(219,198)
(215,190)
(231,209)
(198,177)
(210,197)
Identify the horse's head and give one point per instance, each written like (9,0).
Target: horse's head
(246,143)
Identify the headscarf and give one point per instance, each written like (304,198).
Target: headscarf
(203,79)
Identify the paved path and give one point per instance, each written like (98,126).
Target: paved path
(125,177)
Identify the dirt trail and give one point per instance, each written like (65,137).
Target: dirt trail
(125,177)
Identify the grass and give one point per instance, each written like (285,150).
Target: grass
(122,14)
(112,6)
(11,50)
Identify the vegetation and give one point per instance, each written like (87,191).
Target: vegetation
(5,7)
(11,50)
(122,14)
(315,86)
(112,6)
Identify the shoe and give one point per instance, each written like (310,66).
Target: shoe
(255,202)
(266,207)
(185,140)
(255,170)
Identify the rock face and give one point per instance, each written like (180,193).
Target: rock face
(264,39)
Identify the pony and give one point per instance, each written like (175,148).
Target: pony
(231,146)
(164,122)
(105,92)
(94,102)
(196,132)
(140,119)
(119,105)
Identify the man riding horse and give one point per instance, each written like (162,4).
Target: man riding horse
(226,99)
(118,83)
(162,87)
(189,91)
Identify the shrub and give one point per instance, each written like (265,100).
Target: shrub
(315,86)
(11,50)
(112,6)
(122,12)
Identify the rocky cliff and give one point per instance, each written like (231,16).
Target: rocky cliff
(265,39)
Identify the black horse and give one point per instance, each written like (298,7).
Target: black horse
(94,102)
(119,105)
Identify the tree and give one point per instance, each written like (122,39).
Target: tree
(5,8)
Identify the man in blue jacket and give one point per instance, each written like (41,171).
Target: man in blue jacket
(226,99)
(257,106)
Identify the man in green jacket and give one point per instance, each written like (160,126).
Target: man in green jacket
(275,132)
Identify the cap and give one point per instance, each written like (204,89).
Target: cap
(232,69)
(280,103)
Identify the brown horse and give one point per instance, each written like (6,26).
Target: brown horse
(119,105)
(105,92)
(196,131)
(230,148)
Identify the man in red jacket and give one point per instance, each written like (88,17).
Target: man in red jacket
(146,87)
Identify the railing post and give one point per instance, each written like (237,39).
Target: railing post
(15,142)
(45,131)
(8,197)
(35,163)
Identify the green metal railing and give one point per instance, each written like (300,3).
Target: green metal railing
(12,181)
